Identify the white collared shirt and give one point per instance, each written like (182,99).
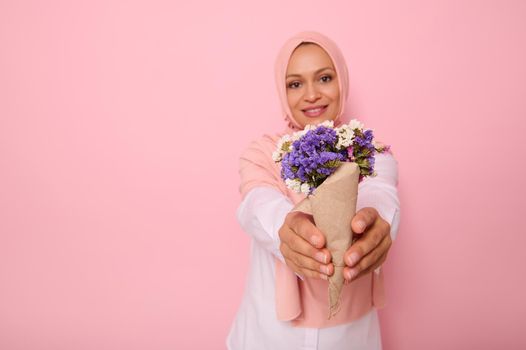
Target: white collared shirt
(261,214)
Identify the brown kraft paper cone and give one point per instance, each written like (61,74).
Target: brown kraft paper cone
(333,205)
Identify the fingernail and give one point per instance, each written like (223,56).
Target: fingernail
(324,269)
(324,277)
(361,225)
(351,274)
(353,258)
(321,257)
(315,240)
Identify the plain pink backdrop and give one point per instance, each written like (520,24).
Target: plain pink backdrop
(120,127)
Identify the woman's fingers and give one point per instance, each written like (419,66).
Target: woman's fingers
(298,226)
(364,218)
(369,240)
(372,267)
(306,266)
(297,244)
(369,262)
(302,246)
(303,225)
(306,262)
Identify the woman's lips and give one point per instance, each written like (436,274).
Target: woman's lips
(315,112)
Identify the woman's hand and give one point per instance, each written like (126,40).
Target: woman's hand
(303,246)
(370,250)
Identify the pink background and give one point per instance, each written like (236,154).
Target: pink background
(120,128)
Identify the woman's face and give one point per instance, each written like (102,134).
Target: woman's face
(312,87)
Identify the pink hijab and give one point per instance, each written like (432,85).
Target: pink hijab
(305,302)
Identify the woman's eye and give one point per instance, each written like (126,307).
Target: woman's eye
(326,78)
(293,85)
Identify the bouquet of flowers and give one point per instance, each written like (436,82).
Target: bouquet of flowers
(326,163)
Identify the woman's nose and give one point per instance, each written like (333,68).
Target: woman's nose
(311,93)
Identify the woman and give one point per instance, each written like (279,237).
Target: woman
(285,301)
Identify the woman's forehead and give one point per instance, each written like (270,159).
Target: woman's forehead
(308,59)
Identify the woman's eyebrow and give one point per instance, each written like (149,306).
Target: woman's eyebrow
(316,72)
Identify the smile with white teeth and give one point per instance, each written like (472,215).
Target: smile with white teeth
(314,112)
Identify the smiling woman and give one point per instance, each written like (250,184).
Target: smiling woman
(286,297)
(313,93)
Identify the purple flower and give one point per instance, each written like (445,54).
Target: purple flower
(314,156)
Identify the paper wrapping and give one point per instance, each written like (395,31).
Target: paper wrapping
(333,205)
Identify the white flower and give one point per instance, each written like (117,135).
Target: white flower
(345,136)
(305,188)
(276,156)
(355,124)
(298,134)
(328,123)
(293,184)
(281,143)
(285,138)
(282,140)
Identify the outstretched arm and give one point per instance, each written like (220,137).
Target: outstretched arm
(376,221)
(265,215)
(261,214)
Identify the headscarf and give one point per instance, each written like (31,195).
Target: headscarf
(304,302)
(280,70)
